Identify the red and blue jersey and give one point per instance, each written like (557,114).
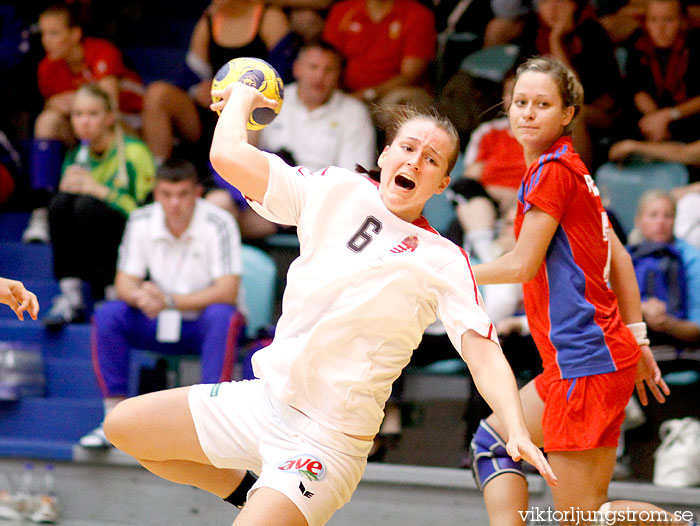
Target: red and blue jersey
(571,310)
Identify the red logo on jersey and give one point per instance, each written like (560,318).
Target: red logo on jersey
(306,465)
(409,244)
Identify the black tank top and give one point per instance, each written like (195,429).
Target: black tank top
(219,55)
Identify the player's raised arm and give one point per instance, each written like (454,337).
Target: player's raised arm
(239,163)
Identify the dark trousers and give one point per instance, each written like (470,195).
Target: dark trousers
(85,235)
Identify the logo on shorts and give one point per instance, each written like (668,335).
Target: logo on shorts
(306,465)
(215,390)
(305,493)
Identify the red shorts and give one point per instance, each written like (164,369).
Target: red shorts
(584,413)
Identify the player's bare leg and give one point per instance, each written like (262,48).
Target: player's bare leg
(584,477)
(157,430)
(269,507)
(506,495)
(166,110)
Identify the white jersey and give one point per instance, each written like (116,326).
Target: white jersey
(358,298)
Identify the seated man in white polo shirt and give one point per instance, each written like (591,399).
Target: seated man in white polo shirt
(178,276)
(318,124)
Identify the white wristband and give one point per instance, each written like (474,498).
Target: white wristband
(639,331)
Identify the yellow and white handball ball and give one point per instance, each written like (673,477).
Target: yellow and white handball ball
(258,74)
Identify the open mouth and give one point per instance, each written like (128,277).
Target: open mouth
(404,182)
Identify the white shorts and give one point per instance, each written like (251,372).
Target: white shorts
(240,425)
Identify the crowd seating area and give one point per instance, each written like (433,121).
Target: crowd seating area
(154,38)
(49,427)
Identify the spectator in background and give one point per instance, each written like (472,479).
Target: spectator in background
(177,282)
(387,46)
(568,31)
(10,168)
(72,59)
(494,158)
(663,75)
(671,295)
(319,125)
(687,223)
(622,19)
(493,168)
(226,30)
(103,180)
(306,17)
(665,151)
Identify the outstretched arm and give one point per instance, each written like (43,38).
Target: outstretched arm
(522,263)
(18,298)
(239,163)
(494,379)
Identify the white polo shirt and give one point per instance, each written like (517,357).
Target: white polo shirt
(209,249)
(358,298)
(337,133)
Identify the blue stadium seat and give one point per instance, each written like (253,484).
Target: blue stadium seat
(491,63)
(438,210)
(622,185)
(72,342)
(26,261)
(12,225)
(259,288)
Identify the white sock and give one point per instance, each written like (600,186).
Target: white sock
(72,289)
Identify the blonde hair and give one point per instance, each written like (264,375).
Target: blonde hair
(97,92)
(652,195)
(570,89)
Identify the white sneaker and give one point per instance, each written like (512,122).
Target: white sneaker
(47,511)
(96,439)
(10,507)
(16,506)
(37,230)
(63,313)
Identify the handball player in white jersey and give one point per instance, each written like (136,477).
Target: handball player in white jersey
(371,276)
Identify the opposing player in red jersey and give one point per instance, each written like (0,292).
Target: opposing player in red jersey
(583,307)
